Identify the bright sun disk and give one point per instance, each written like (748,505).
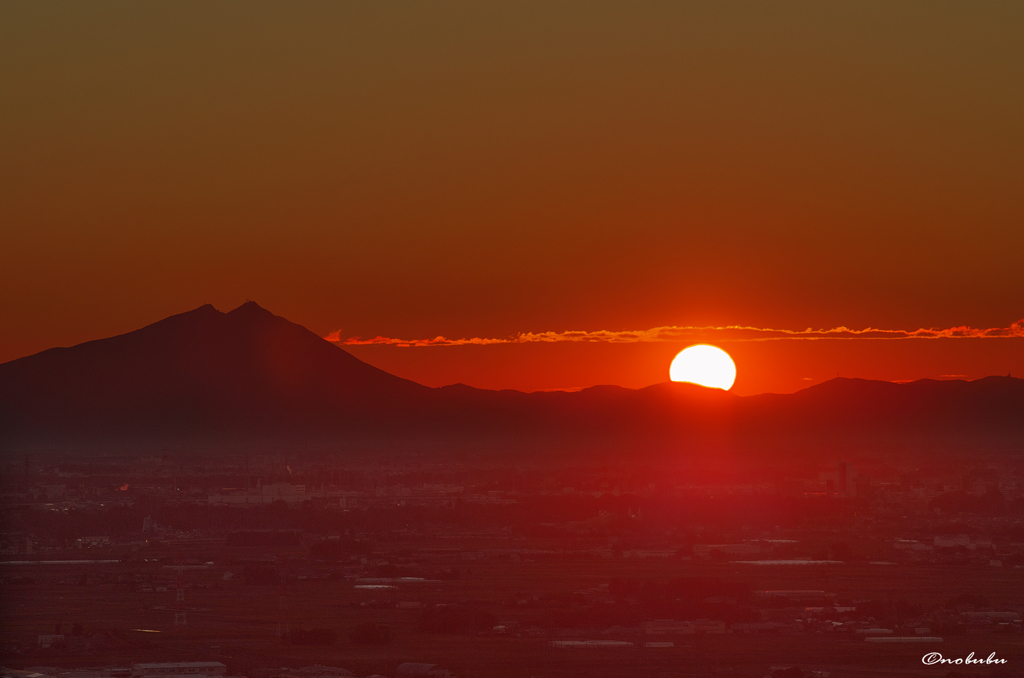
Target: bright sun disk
(705,365)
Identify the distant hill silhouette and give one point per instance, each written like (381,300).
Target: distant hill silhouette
(247,377)
(198,373)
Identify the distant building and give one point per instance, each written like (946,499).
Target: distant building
(27,673)
(910,545)
(417,670)
(172,669)
(665,627)
(315,671)
(792,595)
(903,639)
(671,627)
(966,541)
(651,553)
(54,491)
(589,644)
(980,481)
(845,484)
(705,550)
(51,639)
(265,494)
(106,672)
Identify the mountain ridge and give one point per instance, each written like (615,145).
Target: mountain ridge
(247,374)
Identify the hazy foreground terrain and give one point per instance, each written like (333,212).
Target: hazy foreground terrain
(486,570)
(230,488)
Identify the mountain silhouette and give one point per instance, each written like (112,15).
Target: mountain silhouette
(203,372)
(248,377)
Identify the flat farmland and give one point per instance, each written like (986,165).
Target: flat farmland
(241,623)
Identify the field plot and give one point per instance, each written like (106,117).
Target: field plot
(520,605)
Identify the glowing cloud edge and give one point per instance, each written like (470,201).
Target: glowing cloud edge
(677,333)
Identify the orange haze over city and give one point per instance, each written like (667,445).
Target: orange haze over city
(568,180)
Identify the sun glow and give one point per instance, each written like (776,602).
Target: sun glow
(705,365)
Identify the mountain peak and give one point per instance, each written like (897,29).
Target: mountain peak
(250,308)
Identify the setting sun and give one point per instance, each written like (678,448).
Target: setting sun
(705,365)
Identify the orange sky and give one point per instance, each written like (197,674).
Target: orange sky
(475,170)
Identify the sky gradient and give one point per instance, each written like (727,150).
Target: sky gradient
(474,170)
